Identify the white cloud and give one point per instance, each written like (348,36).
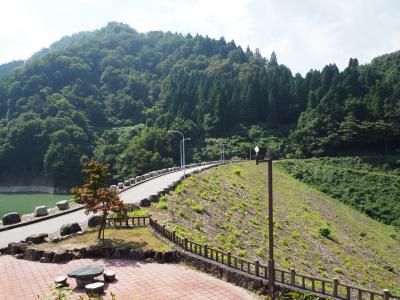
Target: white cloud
(304,34)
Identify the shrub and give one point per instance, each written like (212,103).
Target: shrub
(324,231)
(338,270)
(195,206)
(388,268)
(180,189)
(243,253)
(236,171)
(198,208)
(162,205)
(197,224)
(139,213)
(182,214)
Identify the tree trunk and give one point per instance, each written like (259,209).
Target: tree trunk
(102,228)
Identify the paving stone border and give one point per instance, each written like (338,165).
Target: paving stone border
(25,251)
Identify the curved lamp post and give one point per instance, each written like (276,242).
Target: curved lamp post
(181,149)
(223,152)
(183,163)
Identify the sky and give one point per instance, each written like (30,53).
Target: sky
(305,34)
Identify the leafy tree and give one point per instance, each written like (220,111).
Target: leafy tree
(95,195)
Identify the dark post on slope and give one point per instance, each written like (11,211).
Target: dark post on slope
(271,264)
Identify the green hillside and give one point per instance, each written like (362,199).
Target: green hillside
(370,184)
(315,234)
(112,94)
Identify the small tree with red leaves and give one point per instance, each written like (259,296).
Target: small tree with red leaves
(95,195)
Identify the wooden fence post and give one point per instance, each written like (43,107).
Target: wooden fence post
(292,277)
(205,250)
(156,225)
(257,267)
(229,257)
(186,243)
(173,236)
(335,287)
(163,230)
(386,294)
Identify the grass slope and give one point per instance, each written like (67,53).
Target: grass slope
(226,208)
(26,203)
(370,184)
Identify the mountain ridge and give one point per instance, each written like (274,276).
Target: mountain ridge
(111,94)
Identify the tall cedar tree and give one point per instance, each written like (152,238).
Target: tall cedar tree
(95,195)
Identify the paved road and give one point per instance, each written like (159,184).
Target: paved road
(132,195)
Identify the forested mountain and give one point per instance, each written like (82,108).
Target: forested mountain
(354,111)
(112,94)
(9,67)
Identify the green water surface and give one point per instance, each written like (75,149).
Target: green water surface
(26,203)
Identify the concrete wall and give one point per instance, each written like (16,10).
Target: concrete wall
(27,189)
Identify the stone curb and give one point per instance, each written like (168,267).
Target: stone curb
(13,226)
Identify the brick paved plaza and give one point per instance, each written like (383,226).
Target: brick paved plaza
(21,279)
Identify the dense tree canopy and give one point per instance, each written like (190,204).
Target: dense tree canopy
(111,94)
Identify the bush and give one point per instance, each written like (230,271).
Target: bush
(236,171)
(195,206)
(197,224)
(139,213)
(324,231)
(162,205)
(338,270)
(180,189)
(182,214)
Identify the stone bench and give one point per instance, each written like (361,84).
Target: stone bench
(95,289)
(109,276)
(61,280)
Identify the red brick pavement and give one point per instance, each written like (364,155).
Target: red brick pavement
(21,279)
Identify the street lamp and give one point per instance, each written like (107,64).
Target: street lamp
(250,152)
(181,149)
(182,143)
(223,152)
(256,149)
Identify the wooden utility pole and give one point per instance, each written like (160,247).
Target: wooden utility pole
(271,263)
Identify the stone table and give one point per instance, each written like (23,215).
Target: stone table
(86,274)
